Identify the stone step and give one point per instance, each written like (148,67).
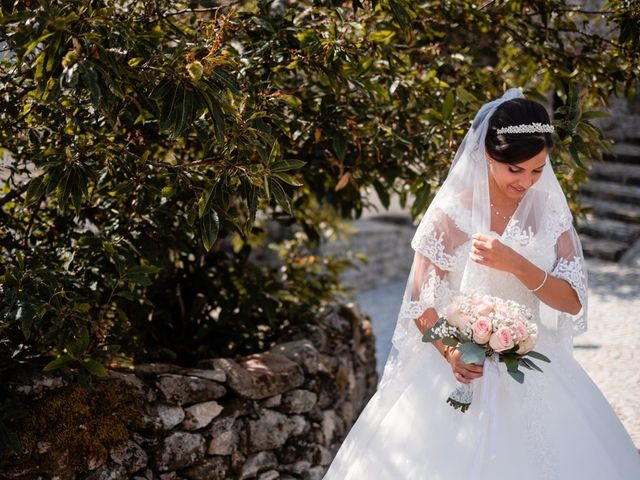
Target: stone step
(613,210)
(603,248)
(610,229)
(602,189)
(625,153)
(621,127)
(625,173)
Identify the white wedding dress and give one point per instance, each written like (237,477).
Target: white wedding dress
(557,425)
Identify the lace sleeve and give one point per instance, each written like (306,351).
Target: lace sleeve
(436,255)
(570,267)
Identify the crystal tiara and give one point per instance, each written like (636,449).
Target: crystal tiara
(527,128)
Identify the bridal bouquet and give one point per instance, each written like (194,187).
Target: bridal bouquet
(481,326)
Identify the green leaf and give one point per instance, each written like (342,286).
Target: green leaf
(209,226)
(592,114)
(575,155)
(24,315)
(62,361)
(517,375)
(423,197)
(139,274)
(511,362)
(539,356)
(472,353)
(226,79)
(383,194)
(450,341)
(447,106)
(281,196)
(79,346)
(275,153)
(530,364)
(204,202)
(37,188)
(95,368)
(185,114)
(465,96)
(287,165)
(168,111)
(134,62)
(340,146)
(285,177)
(263,23)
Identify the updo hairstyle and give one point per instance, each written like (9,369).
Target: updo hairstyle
(517,147)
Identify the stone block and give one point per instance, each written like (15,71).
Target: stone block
(299,401)
(134,381)
(200,415)
(209,374)
(300,425)
(153,369)
(269,475)
(257,463)
(214,468)
(270,430)
(108,472)
(332,426)
(314,473)
(180,450)
(300,351)
(261,375)
(224,436)
(130,455)
(271,402)
(170,415)
(184,390)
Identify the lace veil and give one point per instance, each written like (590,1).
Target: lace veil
(540,229)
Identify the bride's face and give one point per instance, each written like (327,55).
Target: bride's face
(513,180)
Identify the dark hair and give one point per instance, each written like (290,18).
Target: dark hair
(517,147)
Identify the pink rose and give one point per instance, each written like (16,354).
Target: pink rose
(455,317)
(527,345)
(482,307)
(481,330)
(521,332)
(501,340)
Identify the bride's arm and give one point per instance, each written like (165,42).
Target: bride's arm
(463,372)
(555,292)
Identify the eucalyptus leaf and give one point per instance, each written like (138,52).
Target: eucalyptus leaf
(538,356)
(472,353)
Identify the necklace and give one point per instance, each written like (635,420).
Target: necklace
(504,217)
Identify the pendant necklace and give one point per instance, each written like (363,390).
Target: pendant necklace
(504,217)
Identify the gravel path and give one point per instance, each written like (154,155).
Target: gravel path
(609,351)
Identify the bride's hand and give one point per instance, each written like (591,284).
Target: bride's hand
(491,252)
(464,372)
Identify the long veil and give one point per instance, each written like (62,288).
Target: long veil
(541,225)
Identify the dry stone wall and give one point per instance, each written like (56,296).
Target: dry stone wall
(279,414)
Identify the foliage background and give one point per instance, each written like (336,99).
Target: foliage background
(170,167)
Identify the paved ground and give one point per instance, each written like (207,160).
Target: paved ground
(609,351)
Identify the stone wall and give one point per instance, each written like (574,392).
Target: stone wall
(279,414)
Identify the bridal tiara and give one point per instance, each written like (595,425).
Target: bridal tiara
(526,128)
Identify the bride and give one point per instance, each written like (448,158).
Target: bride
(499,225)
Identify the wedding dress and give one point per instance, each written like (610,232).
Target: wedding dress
(557,424)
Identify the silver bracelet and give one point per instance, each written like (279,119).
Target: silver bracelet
(544,280)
